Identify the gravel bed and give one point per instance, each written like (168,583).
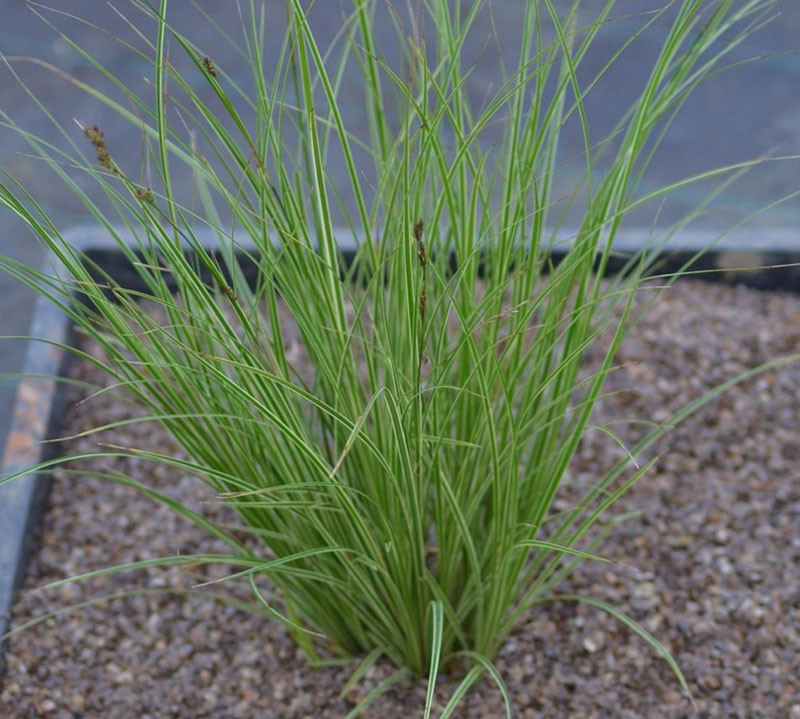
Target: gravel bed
(710,565)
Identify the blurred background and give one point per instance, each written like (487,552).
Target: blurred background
(751,111)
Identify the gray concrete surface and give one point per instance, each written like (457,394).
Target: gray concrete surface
(740,115)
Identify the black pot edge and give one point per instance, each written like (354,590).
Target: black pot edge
(35,417)
(38,407)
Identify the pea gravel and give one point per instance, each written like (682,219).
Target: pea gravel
(710,565)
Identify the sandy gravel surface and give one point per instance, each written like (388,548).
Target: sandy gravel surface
(711,565)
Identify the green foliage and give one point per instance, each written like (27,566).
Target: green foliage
(398,473)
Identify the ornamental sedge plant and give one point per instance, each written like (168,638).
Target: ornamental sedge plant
(396,488)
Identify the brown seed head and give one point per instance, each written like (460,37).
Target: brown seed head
(418,229)
(209,66)
(145,194)
(230,294)
(94,136)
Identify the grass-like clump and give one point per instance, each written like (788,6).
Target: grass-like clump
(397,487)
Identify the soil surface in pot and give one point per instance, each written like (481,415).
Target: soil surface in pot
(710,564)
